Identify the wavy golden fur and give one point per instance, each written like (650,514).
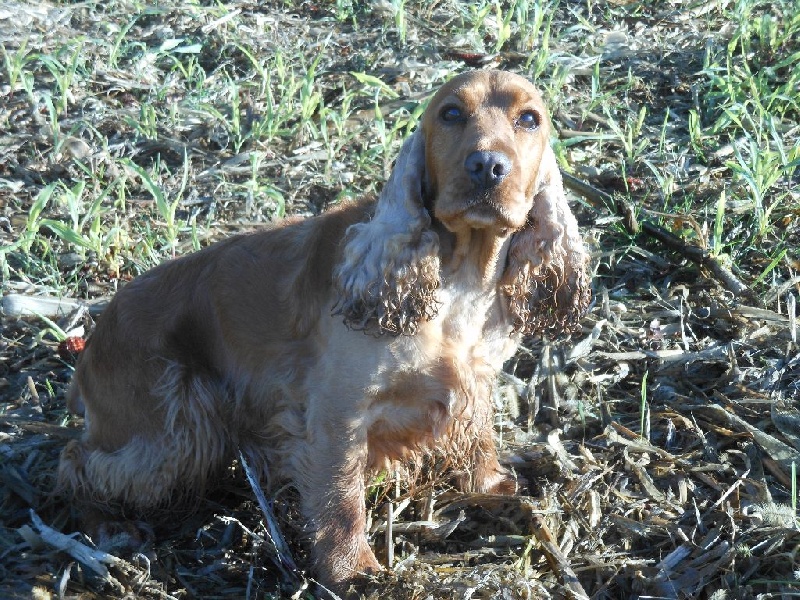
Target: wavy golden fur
(324,348)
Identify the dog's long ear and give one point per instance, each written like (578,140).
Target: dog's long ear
(546,279)
(387,279)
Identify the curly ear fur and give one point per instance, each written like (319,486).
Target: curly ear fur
(545,278)
(387,279)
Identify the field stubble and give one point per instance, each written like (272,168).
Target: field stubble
(661,443)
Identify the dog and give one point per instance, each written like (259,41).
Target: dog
(326,348)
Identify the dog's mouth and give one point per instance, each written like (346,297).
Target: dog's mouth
(485,214)
(497,208)
(492,209)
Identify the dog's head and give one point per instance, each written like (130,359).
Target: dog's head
(481,159)
(486,133)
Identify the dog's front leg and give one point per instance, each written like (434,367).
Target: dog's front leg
(331,483)
(488,476)
(476,428)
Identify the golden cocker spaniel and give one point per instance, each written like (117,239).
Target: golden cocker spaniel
(324,348)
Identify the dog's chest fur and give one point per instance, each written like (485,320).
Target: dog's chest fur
(436,377)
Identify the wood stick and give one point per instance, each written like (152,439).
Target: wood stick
(697,255)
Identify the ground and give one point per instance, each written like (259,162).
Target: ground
(660,443)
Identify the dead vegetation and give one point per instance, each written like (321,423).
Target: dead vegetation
(659,445)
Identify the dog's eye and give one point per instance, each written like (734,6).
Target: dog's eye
(529,119)
(451,114)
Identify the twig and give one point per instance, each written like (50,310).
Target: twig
(389,534)
(282,556)
(94,560)
(615,203)
(691,252)
(557,561)
(22,305)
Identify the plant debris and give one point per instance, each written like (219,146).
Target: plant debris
(658,447)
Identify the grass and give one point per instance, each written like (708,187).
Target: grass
(250,101)
(136,132)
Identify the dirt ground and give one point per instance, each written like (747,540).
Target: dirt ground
(660,443)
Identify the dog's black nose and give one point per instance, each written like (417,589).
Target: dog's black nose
(487,168)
